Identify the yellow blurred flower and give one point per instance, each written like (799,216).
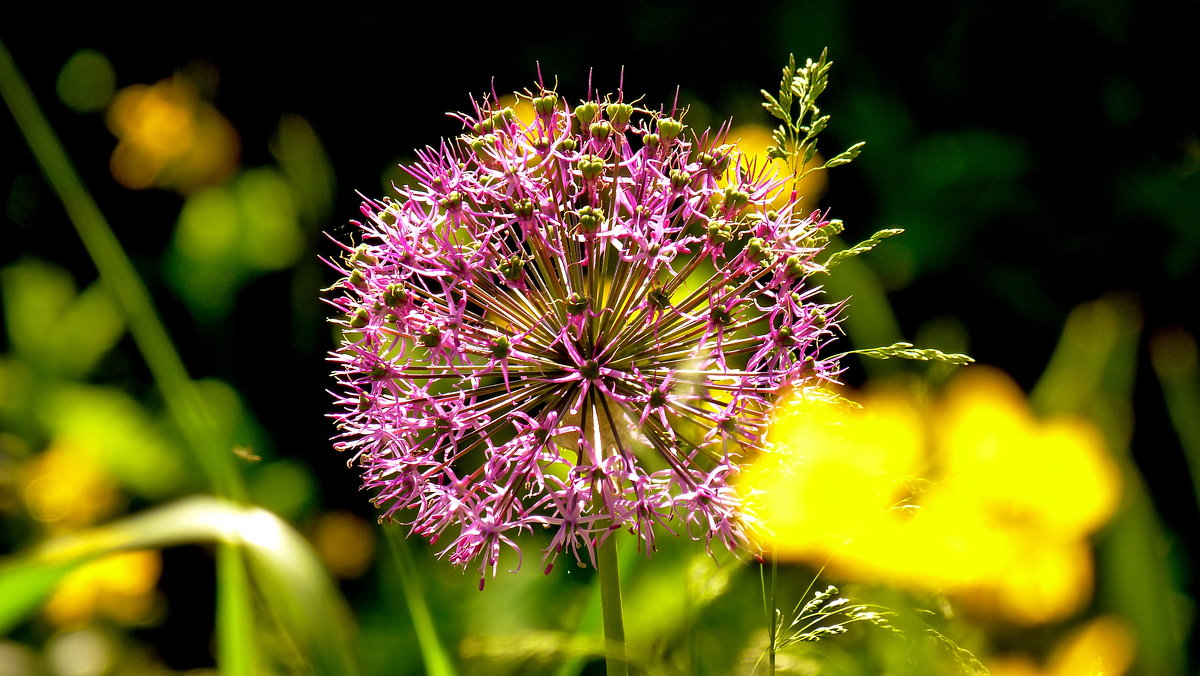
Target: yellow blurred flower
(169,138)
(752,143)
(65,488)
(1103,647)
(972,496)
(118,586)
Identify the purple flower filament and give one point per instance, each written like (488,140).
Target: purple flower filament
(576,324)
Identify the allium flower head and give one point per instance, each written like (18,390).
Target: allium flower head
(568,324)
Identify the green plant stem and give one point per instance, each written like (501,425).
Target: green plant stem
(235,618)
(610,604)
(436,658)
(769,607)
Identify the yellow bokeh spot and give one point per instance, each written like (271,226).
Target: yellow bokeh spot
(972,496)
(66,488)
(118,586)
(345,542)
(752,143)
(168,137)
(1102,647)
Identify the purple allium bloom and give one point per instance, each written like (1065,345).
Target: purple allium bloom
(576,324)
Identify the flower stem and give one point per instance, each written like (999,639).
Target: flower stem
(610,603)
(610,579)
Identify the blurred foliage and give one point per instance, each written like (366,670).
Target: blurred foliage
(1029,180)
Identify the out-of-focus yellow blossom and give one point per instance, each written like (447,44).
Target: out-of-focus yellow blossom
(1103,647)
(118,586)
(65,488)
(753,141)
(345,542)
(972,496)
(169,138)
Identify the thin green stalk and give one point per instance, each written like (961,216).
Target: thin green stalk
(235,618)
(610,603)
(437,659)
(770,607)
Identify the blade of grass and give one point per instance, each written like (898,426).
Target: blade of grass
(235,617)
(1174,356)
(437,659)
(23,587)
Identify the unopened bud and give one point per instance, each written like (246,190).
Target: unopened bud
(544,105)
(669,128)
(585,113)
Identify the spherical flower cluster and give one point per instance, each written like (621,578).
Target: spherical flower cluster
(575,323)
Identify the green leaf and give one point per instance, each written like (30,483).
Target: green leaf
(24,585)
(298,591)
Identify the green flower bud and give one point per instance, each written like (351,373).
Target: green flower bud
(523,208)
(358,279)
(794,267)
(785,336)
(395,295)
(668,128)
(719,232)
(590,219)
(720,315)
(651,141)
(577,304)
(658,398)
(501,347)
(658,299)
(452,201)
(619,113)
(512,267)
(756,249)
(484,126)
(362,255)
(544,105)
(431,337)
(591,167)
(680,179)
(360,318)
(736,199)
(601,129)
(819,320)
(568,145)
(585,113)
